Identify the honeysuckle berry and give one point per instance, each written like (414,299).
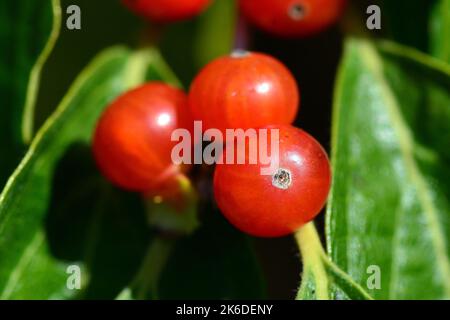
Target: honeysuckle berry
(292,18)
(165,11)
(244,90)
(279,203)
(132,142)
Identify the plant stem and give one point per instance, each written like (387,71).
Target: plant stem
(168,219)
(312,256)
(146,281)
(318,265)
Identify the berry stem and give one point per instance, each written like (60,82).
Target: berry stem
(353,22)
(176,214)
(151,35)
(313,254)
(241,36)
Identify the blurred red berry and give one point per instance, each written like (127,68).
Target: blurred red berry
(162,11)
(132,143)
(278,204)
(292,18)
(244,90)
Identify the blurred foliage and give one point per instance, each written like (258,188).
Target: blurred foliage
(93,222)
(440,30)
(408,21)
(216,262)
(104,23)
(187,46)
(421,24)
(28,32)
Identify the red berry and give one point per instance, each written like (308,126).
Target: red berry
(292,18)
(167,10)
(278,204)
(244,90)
(132,143)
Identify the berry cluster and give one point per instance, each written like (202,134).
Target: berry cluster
(286,18)
(132,143)
(245,90)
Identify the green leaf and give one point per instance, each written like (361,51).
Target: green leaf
(322,279)
(92,222)
(29,32)
(24,248)
(200,40)
(389,204)
(440,30)
(126,294)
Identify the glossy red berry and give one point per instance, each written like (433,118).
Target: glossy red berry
(132,142)
(167,10)
(292,18)
(244,90)
(278,204)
